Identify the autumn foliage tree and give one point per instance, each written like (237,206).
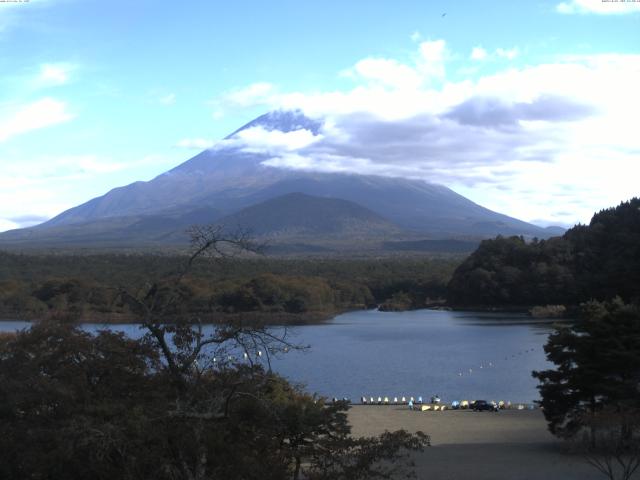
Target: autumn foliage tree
(184,401)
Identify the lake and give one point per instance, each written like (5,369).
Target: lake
(457,355)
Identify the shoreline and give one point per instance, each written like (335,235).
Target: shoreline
(274,319)
(257,318)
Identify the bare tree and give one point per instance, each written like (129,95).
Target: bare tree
(220,378)
(192,351)
(185,343)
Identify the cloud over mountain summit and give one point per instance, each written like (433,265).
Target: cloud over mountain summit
(502,131)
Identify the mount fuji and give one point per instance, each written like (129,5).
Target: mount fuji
(234,186)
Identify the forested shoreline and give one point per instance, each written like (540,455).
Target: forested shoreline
(260,290)
(598,261)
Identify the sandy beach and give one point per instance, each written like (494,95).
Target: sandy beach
(510,444)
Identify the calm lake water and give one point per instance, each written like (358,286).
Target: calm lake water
(458,355)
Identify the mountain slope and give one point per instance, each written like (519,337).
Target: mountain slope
(301,214)
(228,179)
(167,227)
(412,204)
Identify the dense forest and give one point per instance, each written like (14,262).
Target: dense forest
(596,261)
(270,290)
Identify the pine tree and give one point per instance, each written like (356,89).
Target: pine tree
(597,366)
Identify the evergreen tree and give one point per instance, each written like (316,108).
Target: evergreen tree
(597,366)
(599,261)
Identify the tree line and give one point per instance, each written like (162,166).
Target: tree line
(85,287)
(596,261)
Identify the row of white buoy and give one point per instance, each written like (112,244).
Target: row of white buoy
(491,364)
(245,355)
(232,358)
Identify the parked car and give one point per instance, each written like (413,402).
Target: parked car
(482,405)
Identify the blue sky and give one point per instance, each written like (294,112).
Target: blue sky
(95,95)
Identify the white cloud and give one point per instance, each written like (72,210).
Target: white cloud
(61,167)
(509,54)
(401,91)
(260,93)
(195,143)
(431,61)
(386,72)
(565,8)
(39,114)
(90,164)
(259,140)
(528,141)
(50,185)
(54,183)
(416,36)
(27,220)
(478,53)
(55,73)
(481,54)
(253,94)
(598,7)
(433,51)
(6,224)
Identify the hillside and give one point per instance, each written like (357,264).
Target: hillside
(596,261)
(301,214)
(161,229)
